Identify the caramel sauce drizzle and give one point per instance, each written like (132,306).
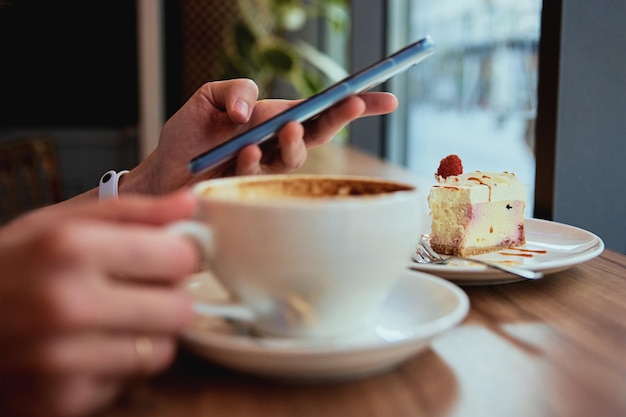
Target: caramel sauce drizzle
(481,182)
(524,253)
(540,251)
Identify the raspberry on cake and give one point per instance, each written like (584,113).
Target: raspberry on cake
(476,212)
(450,165)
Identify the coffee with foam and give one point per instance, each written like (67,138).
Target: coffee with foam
(298,187)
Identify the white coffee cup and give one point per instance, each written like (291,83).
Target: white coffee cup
(304,255)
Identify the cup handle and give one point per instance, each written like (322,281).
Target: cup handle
(199,232)
(203,236)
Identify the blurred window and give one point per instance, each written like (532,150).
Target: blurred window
(476,97)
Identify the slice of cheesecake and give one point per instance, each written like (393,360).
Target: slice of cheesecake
(476,212)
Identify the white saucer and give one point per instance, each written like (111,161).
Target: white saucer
(419,308)
(556,247)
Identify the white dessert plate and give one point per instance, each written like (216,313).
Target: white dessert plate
(550,247)
(419,308)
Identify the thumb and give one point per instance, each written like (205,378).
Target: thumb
(237,97)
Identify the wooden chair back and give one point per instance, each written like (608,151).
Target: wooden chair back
(29,176)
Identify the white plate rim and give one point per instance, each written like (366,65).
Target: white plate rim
(474,273)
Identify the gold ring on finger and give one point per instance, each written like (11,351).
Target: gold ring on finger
(144,348)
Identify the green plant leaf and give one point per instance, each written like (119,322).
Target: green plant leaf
(337,16)
(278,57)
(291,17)
(244,39)
(263,51)
(325,64)
(314,83)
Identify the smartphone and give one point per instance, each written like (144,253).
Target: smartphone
(356,83)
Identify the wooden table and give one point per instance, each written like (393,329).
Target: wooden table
(553,347)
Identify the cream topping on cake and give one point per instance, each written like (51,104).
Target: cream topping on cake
(478,186)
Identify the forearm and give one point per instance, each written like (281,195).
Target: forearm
(137,181)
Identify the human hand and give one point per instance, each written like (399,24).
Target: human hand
(90,297)
(220,110)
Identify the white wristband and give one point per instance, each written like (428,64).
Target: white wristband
(108,184)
